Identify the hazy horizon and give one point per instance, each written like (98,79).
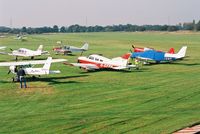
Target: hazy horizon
(35,13)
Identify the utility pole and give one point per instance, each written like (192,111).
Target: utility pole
(11,23)
(86,21)
(168,19)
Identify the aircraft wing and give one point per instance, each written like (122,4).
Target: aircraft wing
(3,53)
(33,62)
(143,58)
(45,52)
(2,47)
(124,67)
(85,66)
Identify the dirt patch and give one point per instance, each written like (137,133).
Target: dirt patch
(35,89)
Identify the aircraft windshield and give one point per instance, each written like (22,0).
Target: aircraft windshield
(91,58)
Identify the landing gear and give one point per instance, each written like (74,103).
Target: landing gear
(15,79)
(33,77)
(32,57)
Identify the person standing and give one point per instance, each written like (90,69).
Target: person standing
(137,63)
(21,76)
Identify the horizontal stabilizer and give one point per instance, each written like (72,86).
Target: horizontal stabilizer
(126,56)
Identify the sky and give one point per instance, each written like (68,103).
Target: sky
(37,13)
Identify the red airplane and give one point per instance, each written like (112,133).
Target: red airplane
(140,49)
(95,61)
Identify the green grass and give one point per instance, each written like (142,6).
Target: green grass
(156,99)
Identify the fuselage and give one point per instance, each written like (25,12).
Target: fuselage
(68,49)
(157,56)
(102,62)
(25,52)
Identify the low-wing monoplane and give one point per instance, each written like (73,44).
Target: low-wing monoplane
(20,37)
(70,49)
(24,52)
(159,56)
(95,62)
(143,49)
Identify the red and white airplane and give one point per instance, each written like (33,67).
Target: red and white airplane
(95,61)
(143,49)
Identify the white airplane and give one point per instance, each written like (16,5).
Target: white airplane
(94,62)
(23,52)
(2,48)
(20,37)
(28,66)
(71,49)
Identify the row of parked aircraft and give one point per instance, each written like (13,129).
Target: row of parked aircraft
(92,62)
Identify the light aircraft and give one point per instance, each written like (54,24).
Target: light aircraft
(95,62)
(20,37)
(24,52)
(71,49)
(159,56)
(2,48)
(140,49)
(27,66)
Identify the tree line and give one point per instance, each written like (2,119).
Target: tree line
(114,28)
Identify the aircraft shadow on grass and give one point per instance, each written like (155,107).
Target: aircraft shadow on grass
(55,80)
(51,80)
(111,70)
(187,64)
(4,82)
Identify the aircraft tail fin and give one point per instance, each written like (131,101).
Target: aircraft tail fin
(171,51)
(182,52)
(85,46)
(126,56)
(40,48)
(47,63)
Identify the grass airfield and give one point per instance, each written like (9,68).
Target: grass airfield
(156,99)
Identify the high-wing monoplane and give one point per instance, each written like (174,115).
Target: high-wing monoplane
(28,66)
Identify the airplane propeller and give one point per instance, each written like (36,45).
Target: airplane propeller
(133,46)
(9,71)
(81,53)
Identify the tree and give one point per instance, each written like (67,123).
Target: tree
(55,29)
(172,28)
(5,29)
(194,25)
(62,29)
(198,26)
(23,30)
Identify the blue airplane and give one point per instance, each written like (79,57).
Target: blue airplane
(159,56)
